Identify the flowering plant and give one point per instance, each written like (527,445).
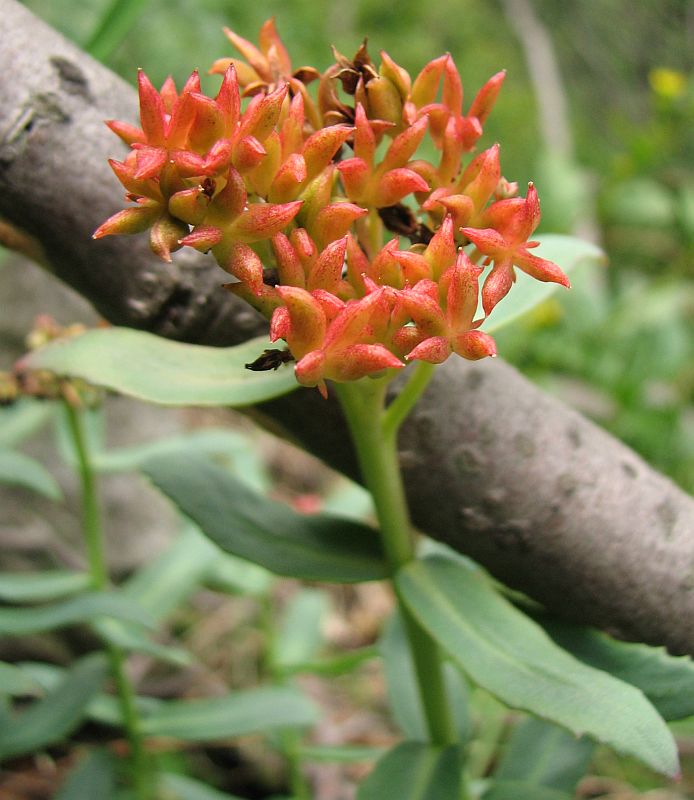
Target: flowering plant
(293,195)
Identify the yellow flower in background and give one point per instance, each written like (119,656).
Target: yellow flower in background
(668,83)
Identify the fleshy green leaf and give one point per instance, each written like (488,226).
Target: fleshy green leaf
(510,656)
(21,419)
(181,787)
(238,714)
(24,621)
(339,754)
(162,585)
(37,587)
(131,637)
(20,470)
(517,790)
(667,681)
(542,754)
(162,371)
(94,776)
(566,251)
(415,771)
(248,525)
(403,693)
(16,682)
(51,719)
(300,636)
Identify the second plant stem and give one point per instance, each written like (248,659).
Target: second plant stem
(94,542)
(363,403)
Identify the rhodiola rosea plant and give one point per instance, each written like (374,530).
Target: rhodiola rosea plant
(357,212)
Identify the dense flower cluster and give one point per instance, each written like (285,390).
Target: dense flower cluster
(292,195)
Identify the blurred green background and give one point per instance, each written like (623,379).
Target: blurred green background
(598,108)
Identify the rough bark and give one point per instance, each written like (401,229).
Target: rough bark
(544,499)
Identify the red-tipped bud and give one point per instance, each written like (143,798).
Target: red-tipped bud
(290,269)
(355,173)
(414,266)
(396,184)
(322,145)
(289,179)
(251,53)
(152,112)
(441,251)
(128,133)
(203,238)
(190,205)
(396,75)
(229,101)
(330,304)
(248,154)
(474,345)
(273,47)
(263,220)
(150,161)
(359,360)
(308,322)
(165,236)
(327,271)
(364,137)
(486,97)
(426,84)
(435,350)
(496,286)
(242,262)
(384,99)
(262,114)
(128,221)
(231,201)
(280,324)
(405,145)
(333,221)
(452,97)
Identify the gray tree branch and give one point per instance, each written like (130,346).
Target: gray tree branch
(544,499)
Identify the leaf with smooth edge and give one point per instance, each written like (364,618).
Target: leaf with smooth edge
(162,585)
(162,371)
(511,657)
(20,470)
(102,708)
(402,690)
(93,777)
(231,448)
(312,547)
(181,787)
(667,681)
(37,587)
(23,418)
(49,720)
(339,754)
(566,251)
(25,621)
(300,636)
(415,771)
(517,790)
(238,714)
(543,754)
(131,637)
(15,682)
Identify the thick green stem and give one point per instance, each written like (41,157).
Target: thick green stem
(363,405)
(398,410)
(94,541)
